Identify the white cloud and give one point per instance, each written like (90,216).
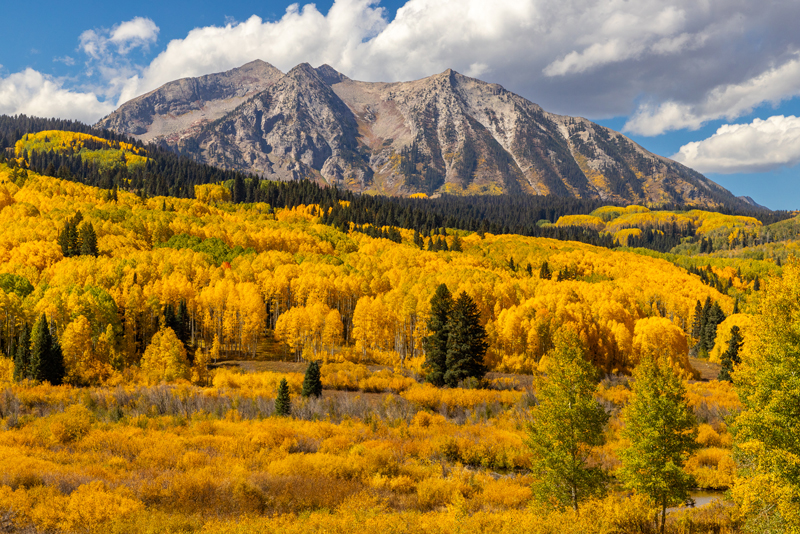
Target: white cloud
(66,60)
(762,145)
(134,33)
(33,93)
(124,37)
(685,62)
(301,35)
(726,101)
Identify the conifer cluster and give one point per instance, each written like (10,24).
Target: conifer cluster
(707,317)
(457,343)
(38,355)
(75,241)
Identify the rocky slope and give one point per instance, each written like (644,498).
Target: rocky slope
(445,133)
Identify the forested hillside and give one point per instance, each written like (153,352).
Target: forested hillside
(152,351)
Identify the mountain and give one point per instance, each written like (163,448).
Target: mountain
(445,133)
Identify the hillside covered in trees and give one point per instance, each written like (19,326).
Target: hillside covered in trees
(153,351)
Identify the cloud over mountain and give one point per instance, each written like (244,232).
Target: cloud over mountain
(668,66)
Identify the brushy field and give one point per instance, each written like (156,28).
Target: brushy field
(378,452)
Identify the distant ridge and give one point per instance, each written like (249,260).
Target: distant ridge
(446,133)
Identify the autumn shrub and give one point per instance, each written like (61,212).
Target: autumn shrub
(72,425)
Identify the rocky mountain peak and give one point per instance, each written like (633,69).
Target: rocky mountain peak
(447,133)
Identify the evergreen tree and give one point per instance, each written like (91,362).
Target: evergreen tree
(436,342)
(46,360)
(238,194)
(544,271)
(466,342)
(23,354)
(283,405)
(181,323)
(88,240)
(456,246)
(698,321)
(312,382)
(661,430)
(730,357)
(565,425)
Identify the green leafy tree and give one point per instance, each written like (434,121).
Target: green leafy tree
(766,444)
(466,342)
(46,360)
(436,343)
(661,431)
(565,425)
(312,382)
(283,405)
(730,357)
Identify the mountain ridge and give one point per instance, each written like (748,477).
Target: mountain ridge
(446,133)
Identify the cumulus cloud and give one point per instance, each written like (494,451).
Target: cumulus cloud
(726,101)
(101,43)
(32,93)
(762,145)
(301,35)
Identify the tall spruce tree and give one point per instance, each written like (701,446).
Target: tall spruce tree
(436,343)
(466,342)
(283,405)
(88,240)
(312,381)
(46,360)
(698,321)
(661,431)
(730,357)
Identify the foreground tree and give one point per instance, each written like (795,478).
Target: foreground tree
(312,382)
(766,444)
(661,430)
(283,405)
(436,342)
(466,342)
(565,425)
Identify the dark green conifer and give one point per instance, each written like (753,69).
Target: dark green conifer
(731,356)
(436,342)
(466,342)
(698,321)
(312,382)
(544,271)
(88,240)
(46,359)
(456,245)
(283,405)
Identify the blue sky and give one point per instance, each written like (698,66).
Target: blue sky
(714,84)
